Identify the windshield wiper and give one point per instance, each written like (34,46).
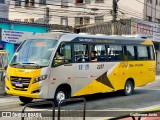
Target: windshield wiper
(38,66)
(14,64)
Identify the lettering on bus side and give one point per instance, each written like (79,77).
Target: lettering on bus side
(135,65)
(101,66)
(105,41)
(85,40)
(138,65)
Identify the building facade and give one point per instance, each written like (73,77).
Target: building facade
(72,12)
(4,8)
(152,10)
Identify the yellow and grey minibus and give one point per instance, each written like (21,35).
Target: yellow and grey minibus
(59,66)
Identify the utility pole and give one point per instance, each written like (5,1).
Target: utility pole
(46,16)
(114,20)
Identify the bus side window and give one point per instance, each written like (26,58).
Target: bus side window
(67,54)
(142,53)
(63,55)
(150,52)
(129,53)
(115,53)
(58,59)
(81,52)
(152,55)
(136,52)
(101,52)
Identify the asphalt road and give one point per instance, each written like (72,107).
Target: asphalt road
(109,105)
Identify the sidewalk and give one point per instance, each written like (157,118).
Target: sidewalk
(158,73)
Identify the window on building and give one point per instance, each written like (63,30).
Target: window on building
(99,1)
(79,1)
(149,1)
(149,18)
(17,19)
(46,12)
(158,20)
(64,21)
(29,3)
(64,3)
(86,20)
(17,3)
(78,20)
(99,19)
(32,3)
(25,20)
(31,20)
(42,2)
(26,3)
(156,2)
(2,1)
(87,1)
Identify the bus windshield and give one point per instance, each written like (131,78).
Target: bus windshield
(35,52)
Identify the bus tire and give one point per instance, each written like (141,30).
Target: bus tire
(128,88)
(60,94)
(25,100)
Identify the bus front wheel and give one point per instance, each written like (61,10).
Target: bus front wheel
(25,100)
(60,94)
(128,88)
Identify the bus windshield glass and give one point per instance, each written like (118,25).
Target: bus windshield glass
(35,52)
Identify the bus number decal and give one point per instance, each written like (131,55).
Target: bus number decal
(101,66)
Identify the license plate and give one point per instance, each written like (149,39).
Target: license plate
(19,84)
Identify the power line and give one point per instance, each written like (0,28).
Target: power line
(59,5)
(43,14)
(127,8)
(65,11)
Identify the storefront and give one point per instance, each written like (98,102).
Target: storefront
(150,29)
(13,33)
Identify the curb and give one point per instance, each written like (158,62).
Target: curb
(151,109)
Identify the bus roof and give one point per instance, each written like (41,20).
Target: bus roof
(84,37)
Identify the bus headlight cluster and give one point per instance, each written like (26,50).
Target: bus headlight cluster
(37,79)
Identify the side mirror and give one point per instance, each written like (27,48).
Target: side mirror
(5,67)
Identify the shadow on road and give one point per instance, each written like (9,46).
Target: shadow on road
(99,96)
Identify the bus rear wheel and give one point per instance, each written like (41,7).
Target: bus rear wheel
(128,88)
(25,100)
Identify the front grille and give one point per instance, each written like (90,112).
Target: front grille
(25,81)
(21,89)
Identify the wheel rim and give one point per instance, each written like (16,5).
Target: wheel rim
(60,96)
(128,88)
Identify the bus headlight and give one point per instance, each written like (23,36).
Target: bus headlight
(37,79)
